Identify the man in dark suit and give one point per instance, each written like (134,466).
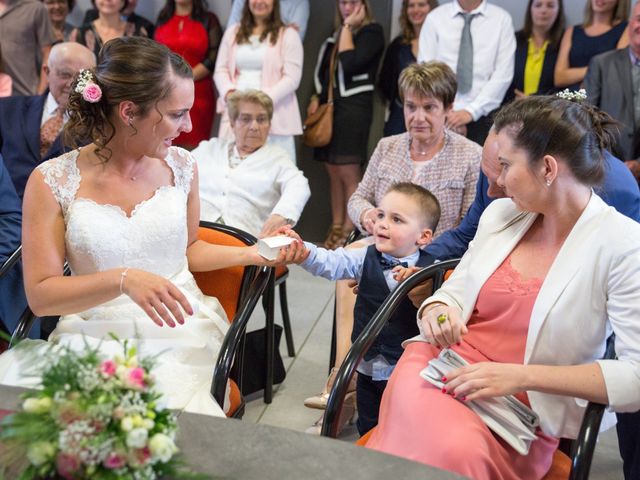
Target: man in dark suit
(12,298)
(24,119)
(613,85)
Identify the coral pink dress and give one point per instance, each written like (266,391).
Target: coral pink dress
(419,422)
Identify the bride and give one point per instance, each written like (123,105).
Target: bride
(123,211)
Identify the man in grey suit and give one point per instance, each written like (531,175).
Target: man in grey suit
(613,85)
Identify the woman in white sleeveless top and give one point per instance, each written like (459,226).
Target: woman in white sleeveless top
(123,211)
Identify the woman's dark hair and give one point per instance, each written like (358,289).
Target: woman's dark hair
(408,33)
(247,22)
(574,131)
(137,69)
(198,11)
(556,30)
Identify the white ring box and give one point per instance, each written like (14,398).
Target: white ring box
(270,247)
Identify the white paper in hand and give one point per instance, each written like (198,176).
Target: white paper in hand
(269,247)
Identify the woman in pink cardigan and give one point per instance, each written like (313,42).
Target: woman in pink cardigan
(262,53)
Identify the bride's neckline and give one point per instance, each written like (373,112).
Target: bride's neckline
(138,206)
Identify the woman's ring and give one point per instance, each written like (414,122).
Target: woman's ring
(441,318)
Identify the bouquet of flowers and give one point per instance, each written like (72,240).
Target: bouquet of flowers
(94,418)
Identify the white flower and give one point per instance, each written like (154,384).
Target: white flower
(40,453)
(148,423)
(162,447)
(137,438)
(126,424)
(37,405)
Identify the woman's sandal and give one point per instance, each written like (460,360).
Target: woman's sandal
(319,401)
(333,237)
(347,416)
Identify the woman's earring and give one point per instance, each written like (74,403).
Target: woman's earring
(130,121)
(548,183)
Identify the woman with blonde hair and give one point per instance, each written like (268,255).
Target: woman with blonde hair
(261,53)
(604,28)
(357,47)
(402,52)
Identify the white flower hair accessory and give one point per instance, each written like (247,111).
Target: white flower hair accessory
(573,95)
(87,87)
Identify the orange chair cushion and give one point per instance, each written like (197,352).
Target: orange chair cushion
(560,467)
(281,270)
(235,398)
(447,274)
(362,441)
(224,284)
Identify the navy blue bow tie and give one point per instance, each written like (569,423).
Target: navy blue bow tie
(389,264)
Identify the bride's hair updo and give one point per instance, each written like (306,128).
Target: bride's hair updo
(137,69)
(574,131)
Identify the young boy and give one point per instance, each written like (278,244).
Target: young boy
(407,216)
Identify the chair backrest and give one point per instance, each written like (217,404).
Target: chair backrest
(437,273)
(229,284)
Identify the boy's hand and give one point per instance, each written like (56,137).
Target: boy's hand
(401,273)
(296,253)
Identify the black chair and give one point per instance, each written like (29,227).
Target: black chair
(580,451)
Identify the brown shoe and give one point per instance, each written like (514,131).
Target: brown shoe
(319,401)
(333,237)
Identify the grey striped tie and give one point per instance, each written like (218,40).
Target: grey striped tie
(464,70)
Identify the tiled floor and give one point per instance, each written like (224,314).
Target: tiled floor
(311,309)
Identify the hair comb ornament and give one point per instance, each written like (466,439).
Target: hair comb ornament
(573,95)
(87,87)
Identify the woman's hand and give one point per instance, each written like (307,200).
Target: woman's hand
(486,379)
(296,253)
(442,325)
(458,118)
(355,19)
(314,104)
(519,93)
(273,226)
(157,296)
(368,219)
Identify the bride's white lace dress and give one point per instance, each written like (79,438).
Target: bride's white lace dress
(154,238)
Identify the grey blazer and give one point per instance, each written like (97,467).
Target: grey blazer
(610,87)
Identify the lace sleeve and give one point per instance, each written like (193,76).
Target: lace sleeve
(63,178)
(181,163)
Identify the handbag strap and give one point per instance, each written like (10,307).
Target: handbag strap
(332,72)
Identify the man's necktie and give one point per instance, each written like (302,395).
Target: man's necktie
(50,131)
(464,70)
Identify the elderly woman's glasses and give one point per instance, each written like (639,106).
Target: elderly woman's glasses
(248,119)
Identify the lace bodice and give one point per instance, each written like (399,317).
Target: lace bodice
(99,237)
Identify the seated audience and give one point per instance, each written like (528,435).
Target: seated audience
(189,29)
(604,28)
(58,11)
(108,25)
(406,218)
(613,84)
(26,37)
(295,13)
(12,297)
(537,49)
(128,13)
(429,155)
(30,126)
(247,182)
(402,52)
(475,38)
(262,53)
(512,306)
(350,56)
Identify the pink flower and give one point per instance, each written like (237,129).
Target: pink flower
(67,465)
(115,461)
(135,378)
(108,368)
(92,93)
(139,457)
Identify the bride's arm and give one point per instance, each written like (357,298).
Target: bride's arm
(51,293)
(204,257)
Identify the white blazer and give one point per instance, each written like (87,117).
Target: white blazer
(591,290)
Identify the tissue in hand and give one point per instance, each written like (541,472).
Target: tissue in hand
(270,247)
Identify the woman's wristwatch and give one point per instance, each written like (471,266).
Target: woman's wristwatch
(348,26)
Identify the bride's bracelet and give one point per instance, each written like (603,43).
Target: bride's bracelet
(122,277)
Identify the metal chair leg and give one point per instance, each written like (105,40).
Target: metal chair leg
(286,321)
(269,301)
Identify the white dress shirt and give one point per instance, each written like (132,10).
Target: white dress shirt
(49,110)
(257,186)
(494,47)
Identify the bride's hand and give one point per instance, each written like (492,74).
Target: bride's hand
(157,296)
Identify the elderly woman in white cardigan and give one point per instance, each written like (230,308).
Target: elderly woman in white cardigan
(247,182)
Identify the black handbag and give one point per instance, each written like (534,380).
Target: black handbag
(254,363)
